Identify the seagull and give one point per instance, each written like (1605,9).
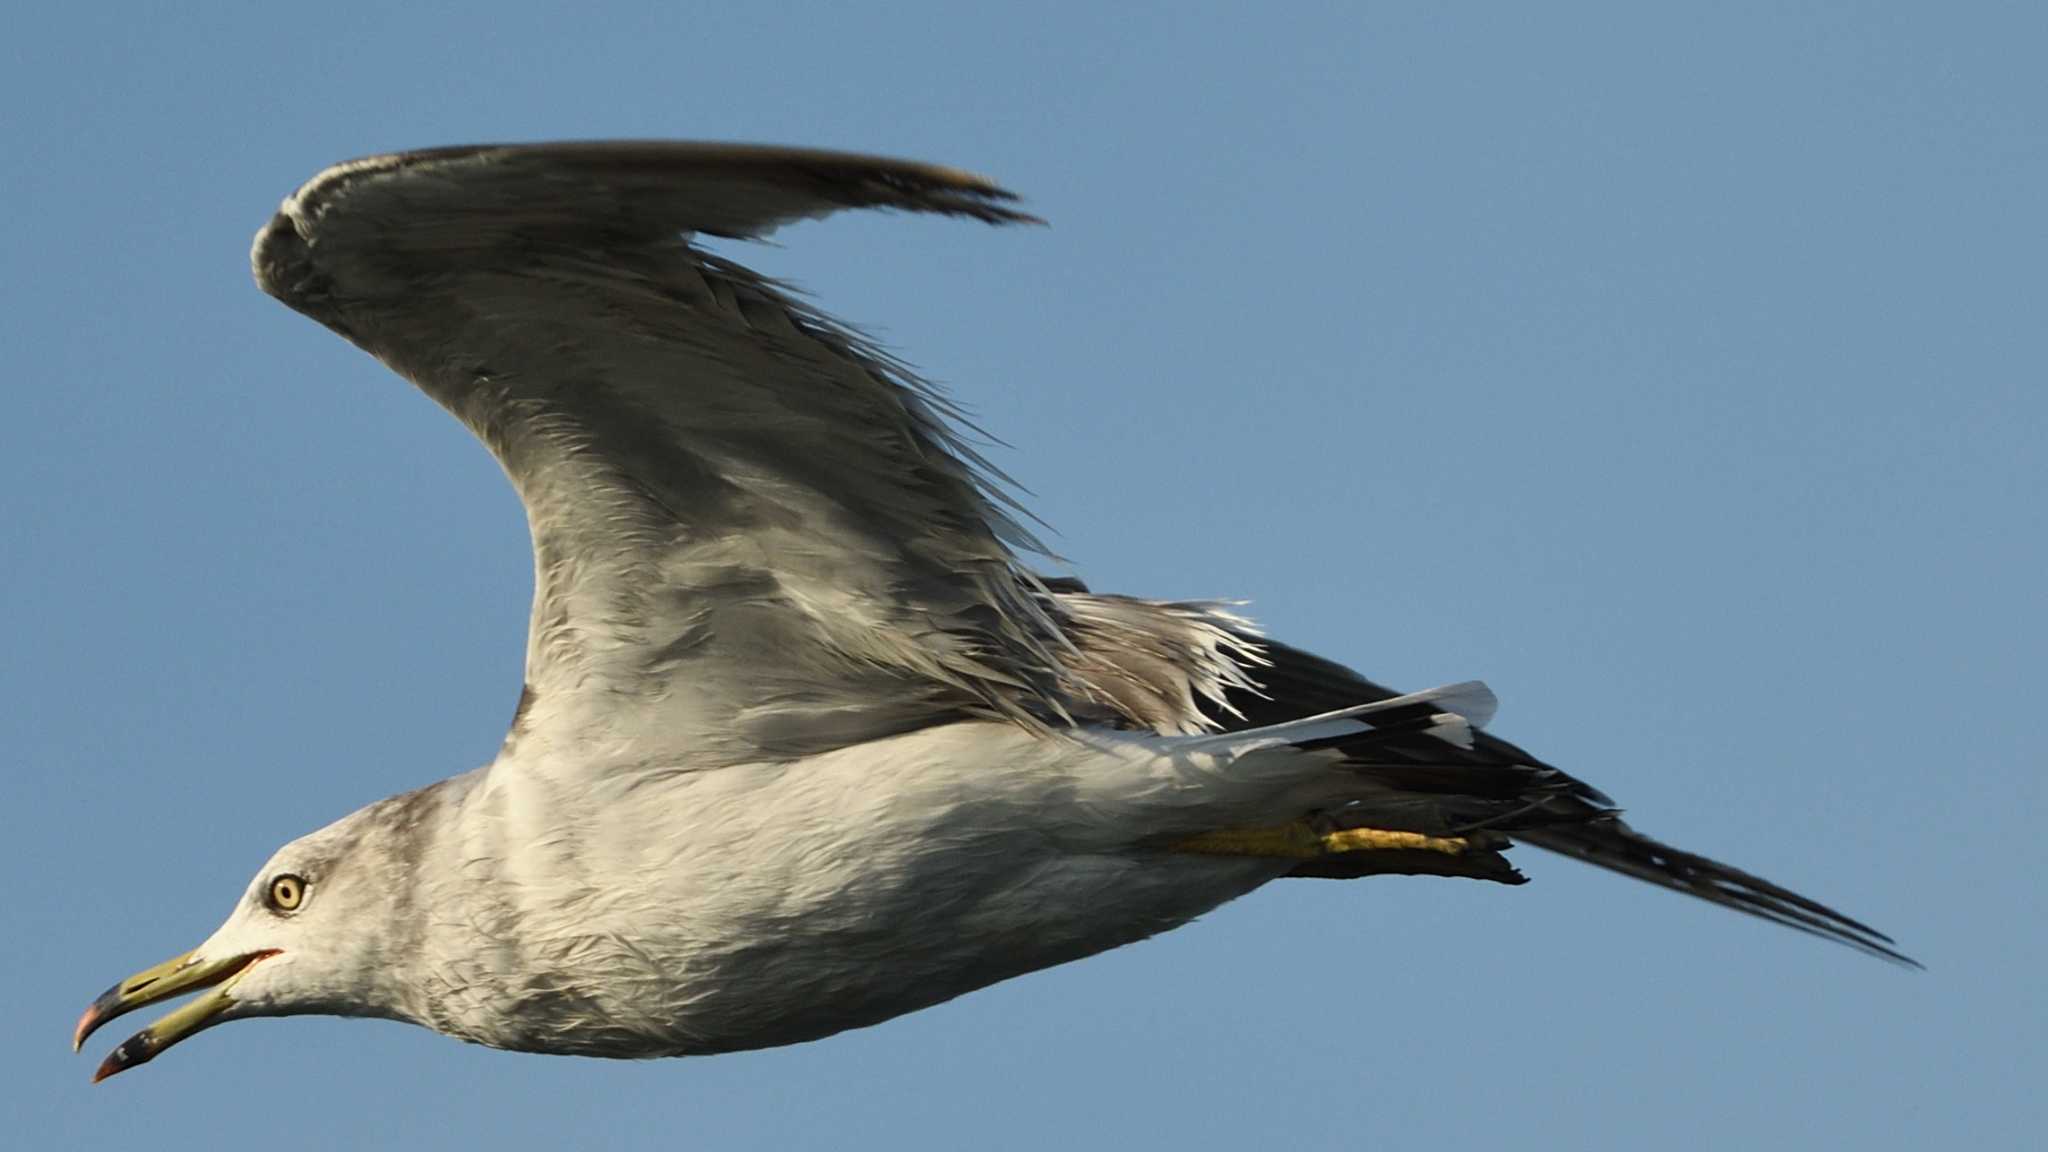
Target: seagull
(804,744)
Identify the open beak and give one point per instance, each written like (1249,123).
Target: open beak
(173,977)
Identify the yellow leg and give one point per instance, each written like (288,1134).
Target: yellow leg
(1302,842)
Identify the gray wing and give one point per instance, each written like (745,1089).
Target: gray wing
(754,535)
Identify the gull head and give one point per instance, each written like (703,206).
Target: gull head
(312,934)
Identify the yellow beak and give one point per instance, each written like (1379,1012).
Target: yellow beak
(173,977)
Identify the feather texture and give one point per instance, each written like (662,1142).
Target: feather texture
(753,532)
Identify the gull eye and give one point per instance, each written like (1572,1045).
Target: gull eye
(287,892)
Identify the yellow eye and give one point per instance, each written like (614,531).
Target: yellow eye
(287,892)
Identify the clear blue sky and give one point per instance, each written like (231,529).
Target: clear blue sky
(1680,374)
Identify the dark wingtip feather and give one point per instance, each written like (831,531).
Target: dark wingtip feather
(1493,785)
(1609,843)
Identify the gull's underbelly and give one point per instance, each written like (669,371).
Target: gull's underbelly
(804,902)
(895,949)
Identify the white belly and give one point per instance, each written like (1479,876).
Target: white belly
(754,906)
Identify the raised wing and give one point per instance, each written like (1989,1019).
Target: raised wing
(754,534)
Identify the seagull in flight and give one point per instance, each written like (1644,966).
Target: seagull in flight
(803,745)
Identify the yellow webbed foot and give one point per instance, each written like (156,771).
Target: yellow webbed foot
(1303,841)
(1348,853)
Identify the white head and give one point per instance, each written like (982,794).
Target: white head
(327,926)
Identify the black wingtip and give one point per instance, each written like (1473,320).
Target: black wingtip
(1607,842)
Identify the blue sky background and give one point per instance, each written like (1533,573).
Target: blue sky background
(1679,372)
